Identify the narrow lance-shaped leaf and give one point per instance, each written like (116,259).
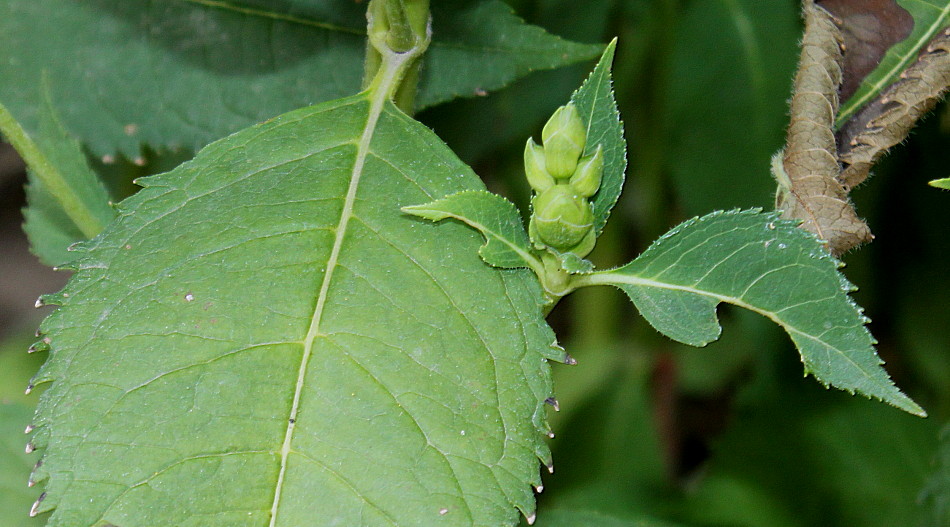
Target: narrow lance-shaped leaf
(262,337)
(67,202)
(185,73)
(941,183)
(598,109)
(767,265)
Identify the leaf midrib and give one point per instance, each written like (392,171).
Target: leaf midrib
(378,97)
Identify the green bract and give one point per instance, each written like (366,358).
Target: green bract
(564,139)
(586,179)
(561,218)
(534,167)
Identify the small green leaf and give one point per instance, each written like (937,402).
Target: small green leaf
(758,262)
(571,262)
(185,73)
(598,109)
(941,183)
(930,16)
(506,242)
(66,200)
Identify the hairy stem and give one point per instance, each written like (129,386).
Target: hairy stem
(808,186)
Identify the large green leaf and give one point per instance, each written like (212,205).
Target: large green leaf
(15,465)
(769,266)
(184,73)
(264,330)
(930,16)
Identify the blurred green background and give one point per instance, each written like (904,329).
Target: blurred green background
(651,432)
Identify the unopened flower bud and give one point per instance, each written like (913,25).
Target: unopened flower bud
(561,218)
(564,138)
(534,169)
(586,179)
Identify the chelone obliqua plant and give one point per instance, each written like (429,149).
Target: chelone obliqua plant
(326,319)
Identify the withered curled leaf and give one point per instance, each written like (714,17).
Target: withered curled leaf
(887,120)
(809,189)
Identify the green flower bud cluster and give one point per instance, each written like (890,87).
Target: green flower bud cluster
(563,182)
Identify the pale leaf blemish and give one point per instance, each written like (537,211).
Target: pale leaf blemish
(443,511)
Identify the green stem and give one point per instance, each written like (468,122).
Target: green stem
(398,31)
(50,176)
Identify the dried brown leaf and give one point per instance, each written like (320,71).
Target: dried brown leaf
(809,187)
(886,121)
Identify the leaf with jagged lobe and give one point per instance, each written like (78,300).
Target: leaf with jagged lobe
(930,17)
(888,120)
(185,73)
(759,262)
(808,186)
(262,330)
(506,242)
